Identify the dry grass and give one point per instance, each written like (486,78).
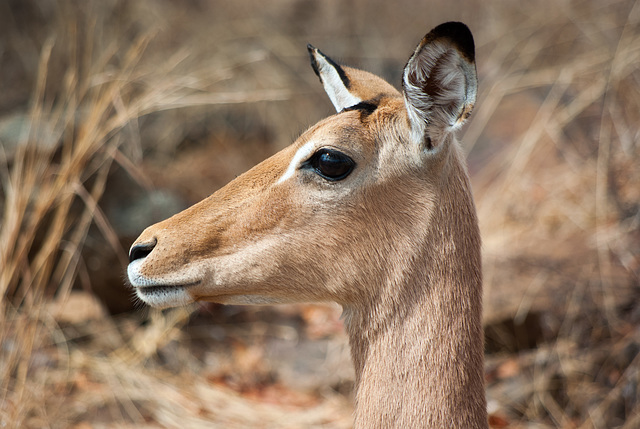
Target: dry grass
(557,194)
(553,151)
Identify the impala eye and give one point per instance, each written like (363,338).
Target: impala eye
(331,164)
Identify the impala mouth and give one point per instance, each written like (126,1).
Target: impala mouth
(160,286)
(162,289)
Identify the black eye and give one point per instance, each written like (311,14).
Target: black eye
(331,164)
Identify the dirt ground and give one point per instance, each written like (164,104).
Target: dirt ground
(116,114)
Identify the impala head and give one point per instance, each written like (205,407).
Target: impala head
(328,216)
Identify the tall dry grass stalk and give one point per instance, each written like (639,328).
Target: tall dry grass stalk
(51,195)
(88,93)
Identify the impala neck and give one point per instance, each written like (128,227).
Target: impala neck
(417,344)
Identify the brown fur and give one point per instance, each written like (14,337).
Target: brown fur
(396,243)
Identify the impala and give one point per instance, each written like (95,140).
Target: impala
(370,208)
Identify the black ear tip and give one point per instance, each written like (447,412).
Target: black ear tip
(312,58)
(459,34)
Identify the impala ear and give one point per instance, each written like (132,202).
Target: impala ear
(440,82)
(334,79)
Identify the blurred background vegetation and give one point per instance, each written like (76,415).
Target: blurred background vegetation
(115,114)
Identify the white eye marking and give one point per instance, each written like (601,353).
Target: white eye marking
(303,153)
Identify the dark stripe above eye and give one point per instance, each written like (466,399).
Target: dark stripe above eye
(365,107)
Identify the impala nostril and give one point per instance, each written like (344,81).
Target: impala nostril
(140,251)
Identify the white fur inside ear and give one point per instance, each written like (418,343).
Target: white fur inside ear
(333,85)
(439,89)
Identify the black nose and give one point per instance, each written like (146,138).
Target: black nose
(141,250)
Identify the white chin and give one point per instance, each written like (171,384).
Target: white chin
(157,294)
(164,296)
